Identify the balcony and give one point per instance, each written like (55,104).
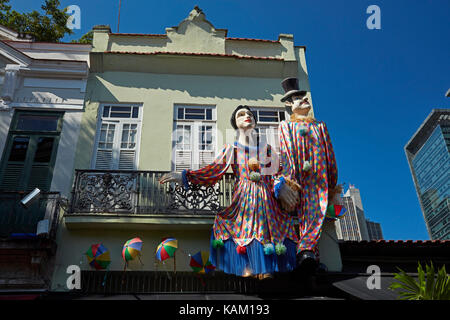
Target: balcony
(26,255)
(135,200)
(126,198)
(18,222)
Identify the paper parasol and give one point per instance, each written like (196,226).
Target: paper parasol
(200,263)
(166,249)
(98,256)
(336,211)
(131,249)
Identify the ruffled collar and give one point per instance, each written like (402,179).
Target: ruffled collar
(302,119)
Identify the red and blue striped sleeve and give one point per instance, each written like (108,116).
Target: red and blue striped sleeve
(213,172)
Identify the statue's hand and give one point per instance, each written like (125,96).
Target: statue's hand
(171,177)
(289,198)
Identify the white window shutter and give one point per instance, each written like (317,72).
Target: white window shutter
(105,145)
(183,160)
(117,145)
(194,137)
(127,159)
(206,157)
(104,160)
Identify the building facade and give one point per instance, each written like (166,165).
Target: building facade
(374,230)
(353,225)
(428,155)
(42,87)
(162,102)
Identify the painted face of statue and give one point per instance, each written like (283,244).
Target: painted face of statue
(244,119)
(300,104)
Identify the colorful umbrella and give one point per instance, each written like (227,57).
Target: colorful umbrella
(166,249)
(336,211)
(200,263)
(131,249)
(98,256)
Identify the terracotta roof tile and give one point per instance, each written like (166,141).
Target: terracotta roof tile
(196,54)
(165,35)
(248,39)
(138,34)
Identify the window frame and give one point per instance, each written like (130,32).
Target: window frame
(267,125)
(118,135)
(196,125)
(32,145)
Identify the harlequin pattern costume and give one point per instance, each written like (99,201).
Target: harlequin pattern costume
(253,222)
(307,157)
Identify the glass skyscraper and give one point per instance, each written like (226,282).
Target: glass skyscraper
(374,230)
(428,154)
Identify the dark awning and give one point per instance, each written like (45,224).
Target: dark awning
(357,287)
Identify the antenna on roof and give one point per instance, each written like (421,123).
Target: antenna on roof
(118,22)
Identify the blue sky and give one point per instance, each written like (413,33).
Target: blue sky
(373,88)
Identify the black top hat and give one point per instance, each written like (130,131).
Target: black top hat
(290,86)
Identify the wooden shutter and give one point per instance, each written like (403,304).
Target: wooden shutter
(31,151)
(206,157)
(11,177)
(127,146)
(39,177)
(127,159)
(42,162)
(183,160)
(183,147)
(105,145)
(117,144)
(205,145)
(104,160)
(14,166)
(35,169)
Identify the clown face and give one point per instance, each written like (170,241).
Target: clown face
(300,104)
(245,120)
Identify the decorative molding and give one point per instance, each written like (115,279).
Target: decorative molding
(47,106)
(14,55)
(10,82)
(4,105)
(56,83)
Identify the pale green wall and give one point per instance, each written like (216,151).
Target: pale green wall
(72,250)
(158,94)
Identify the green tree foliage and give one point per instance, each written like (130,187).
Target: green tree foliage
(434,287)
(49,26)
(86,38)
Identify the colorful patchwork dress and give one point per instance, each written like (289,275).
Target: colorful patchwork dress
(253,222)
(307,157)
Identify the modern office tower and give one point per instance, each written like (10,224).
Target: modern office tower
(428,154)
(353,225)
(374,230)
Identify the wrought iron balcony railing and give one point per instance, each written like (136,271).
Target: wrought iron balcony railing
(139,192)
(17,221)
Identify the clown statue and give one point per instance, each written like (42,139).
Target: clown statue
(307,158)
(251,237)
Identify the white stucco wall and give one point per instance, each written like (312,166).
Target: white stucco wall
(64,164)
(5,121)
